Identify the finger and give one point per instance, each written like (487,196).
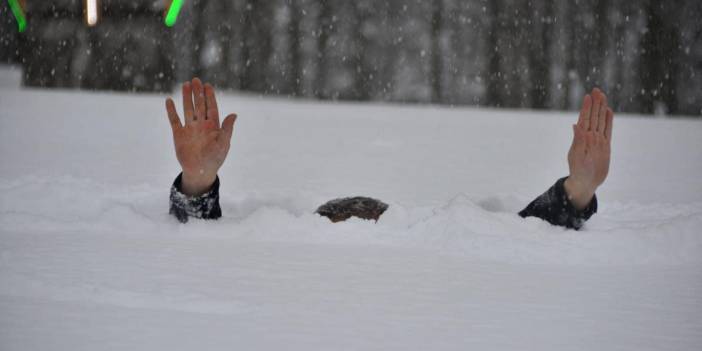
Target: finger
(578,138)
(584,118)
(602,115)
(188,109)
(199,99)
(595,113)
(172,115)
(228,126)
(589,140)
(211,101)
(609,124)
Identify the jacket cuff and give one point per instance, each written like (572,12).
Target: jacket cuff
(576,217)
(555,207)
(205,206)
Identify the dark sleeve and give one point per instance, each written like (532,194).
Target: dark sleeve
(205,206)
(554,207)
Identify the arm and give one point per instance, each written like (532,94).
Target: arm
(556,207)
(204,206)
(202,145)
(572,201)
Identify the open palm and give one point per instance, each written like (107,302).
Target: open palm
(202,144)
(589,155)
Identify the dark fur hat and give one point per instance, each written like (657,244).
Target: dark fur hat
(338,210)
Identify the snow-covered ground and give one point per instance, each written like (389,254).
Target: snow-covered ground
(90,259)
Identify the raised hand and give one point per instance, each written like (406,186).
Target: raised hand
(202,144)
(589,155)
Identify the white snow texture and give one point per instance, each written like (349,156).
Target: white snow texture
(91,260)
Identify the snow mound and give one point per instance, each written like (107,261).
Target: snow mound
(476,229)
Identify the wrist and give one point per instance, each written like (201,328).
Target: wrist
(578,193)
(197,183)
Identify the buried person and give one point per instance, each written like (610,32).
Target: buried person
(202,144)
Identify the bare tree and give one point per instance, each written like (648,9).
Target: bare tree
(361,87)
(295,74)
(323,32)
(437,54)
(493,96)
(660,47)
(539,51)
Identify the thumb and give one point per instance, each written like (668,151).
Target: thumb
(228,125)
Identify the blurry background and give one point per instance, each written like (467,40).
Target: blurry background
(541,54)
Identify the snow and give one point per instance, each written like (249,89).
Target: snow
(90,259)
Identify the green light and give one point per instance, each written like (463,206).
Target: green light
(173,12)
(19,15)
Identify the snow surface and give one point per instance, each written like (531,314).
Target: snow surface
(90,259)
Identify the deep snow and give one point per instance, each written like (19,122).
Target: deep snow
(90,259)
